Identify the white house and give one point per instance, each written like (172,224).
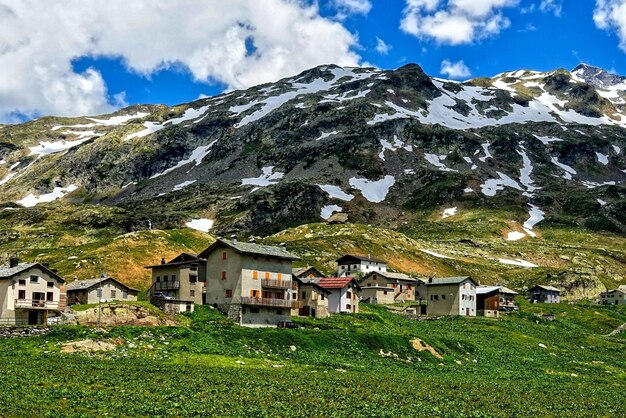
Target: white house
(356,264)
(449,296)
(344,296)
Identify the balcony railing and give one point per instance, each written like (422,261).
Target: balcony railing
(277,303)
(278,284)
(174,285)
(35,304)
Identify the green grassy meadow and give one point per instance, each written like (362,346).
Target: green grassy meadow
(346,365)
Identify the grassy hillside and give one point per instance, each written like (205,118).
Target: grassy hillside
(347,365)
(84,241)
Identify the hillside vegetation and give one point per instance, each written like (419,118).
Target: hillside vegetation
(346,365)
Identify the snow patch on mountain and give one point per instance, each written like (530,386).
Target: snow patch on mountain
(492,186)
(335,192)
(267,178)
(57,193)
(329,210)
(373,191)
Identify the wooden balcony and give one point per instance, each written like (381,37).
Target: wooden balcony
(173,285)
(278,284)
(274,303)
(35,304)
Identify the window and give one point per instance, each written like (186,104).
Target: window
(349,294)
(463,297)
(409,287)
(34,279)
(113,294)
(22,282)
(267,275)
(192,293)
(158,279)
(254,293)
(394,285)
(375,277)
(348,307)
(193,268)
(224,255)
(255,275)
(443,297)
(229,292)
(303,295)
(280,295)
(193,278)
(223,275)
(21,294)
(50,297)
(323,296)
(99,293)
(124,295)
(384,292)
(173,277)
(434,297)
(50,284)
(267,294)
(165,278)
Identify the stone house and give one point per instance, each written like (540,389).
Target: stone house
(30,293)
(312,297)
(344,296)
(351,265)
(182,279)
(449,296)
(613,297)
(103,289)
(307,272)
(385,287)
(544,294)
(251,283)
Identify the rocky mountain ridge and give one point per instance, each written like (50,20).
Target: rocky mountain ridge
(379,146)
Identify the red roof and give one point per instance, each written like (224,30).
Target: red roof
(334,282)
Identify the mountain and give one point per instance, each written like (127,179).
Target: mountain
(598,77)
(391,149)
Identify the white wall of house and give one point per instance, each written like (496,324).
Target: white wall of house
(467,298)
(19,291)
(363,266)
(343,300)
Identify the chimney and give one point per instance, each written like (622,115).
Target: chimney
(233,238)
(430,280)
(283,245)
(14,261)
(103,275)
(162,260)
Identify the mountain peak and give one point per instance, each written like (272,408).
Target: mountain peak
(598,77)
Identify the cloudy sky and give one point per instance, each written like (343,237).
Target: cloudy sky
(78,57)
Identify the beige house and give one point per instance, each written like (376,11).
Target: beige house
(613,297)
(344,296)
(179,284)
(357,265)
(30,293)
(307,272)
(312,297)
(385,288)
(103,289)
(251,283)
(449,296)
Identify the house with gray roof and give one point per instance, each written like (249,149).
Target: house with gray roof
(250,282)
(449,296)
(544,294)
(101,289)
(386,287)
(30,293)
(178,284)
(358,265)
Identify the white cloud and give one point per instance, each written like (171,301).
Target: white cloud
(455,69)
(611,15)
(39,40)
(455,22)
(353,6)
(382,47)
(553,6)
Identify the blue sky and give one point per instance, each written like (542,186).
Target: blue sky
(83,57)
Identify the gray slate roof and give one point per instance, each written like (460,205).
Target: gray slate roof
(8,272)
(252,248)
(447,280)
(88,283)
(395,276)
(548,288)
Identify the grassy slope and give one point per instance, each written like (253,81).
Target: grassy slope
(490,368)
(87,240)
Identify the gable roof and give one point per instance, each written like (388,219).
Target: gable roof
(448,280)
(311,282)
(508,291)
(623,291)
(179,260)
(336,282)
(89,283)
(484,290)
(399,277)
(548,288)
(6,272)
(300,271)
(360,258)
(249,248)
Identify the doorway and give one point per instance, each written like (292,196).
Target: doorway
(34,317)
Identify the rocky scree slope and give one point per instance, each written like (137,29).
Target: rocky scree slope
(382,147)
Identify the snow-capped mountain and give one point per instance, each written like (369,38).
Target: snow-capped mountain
(598,77)
(370,143)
